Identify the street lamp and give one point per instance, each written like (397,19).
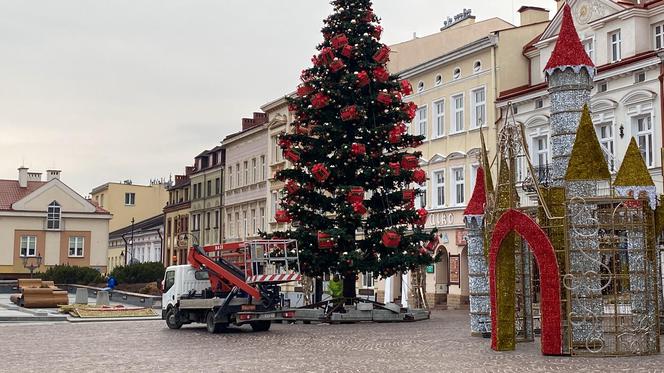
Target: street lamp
(31,266)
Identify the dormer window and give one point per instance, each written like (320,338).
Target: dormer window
(438,80)
(53,216)
(456,74)
(477,67)
(420,86)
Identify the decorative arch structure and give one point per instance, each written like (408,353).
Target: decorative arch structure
(516,221)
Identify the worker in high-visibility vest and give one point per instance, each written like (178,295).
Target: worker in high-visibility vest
(335,287)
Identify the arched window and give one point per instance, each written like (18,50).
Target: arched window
(456,74)
(420,86)
(53,216)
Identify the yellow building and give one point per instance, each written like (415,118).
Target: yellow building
(127,202)
(48,223)
(456,75)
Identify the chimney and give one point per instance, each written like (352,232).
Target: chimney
(23,177)
(533,14)
(52,174)
(247,123)
(260,118)
(34,176)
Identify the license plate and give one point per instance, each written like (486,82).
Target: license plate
(266,316)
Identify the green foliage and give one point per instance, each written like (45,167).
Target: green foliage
(139,273)
(67,274)
(350,76)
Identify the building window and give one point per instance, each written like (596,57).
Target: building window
(457,111)
(262,222)
(230,177)
(615,43)
(541,149)
(254,171)
(53,216)
(478,97)
(539,103)
(237,224)
(602,86)
(439,187)
(605,134)
(244,220)
(246,172)
(216,219)
(439,115)
(76,246)
(589,46)
(421,119)
(28,246)
(659,36)
(421,199)
(515,109)
(644,136)
(130,199)
(477,66)
(639,76)
(209,188)
(459,186)
(438,80)
(253,221)
(456,74)
(207,222)
(420,86)
(263,168)
(367,280)
(237,174)
(275,204)
(217,185)
(229,224)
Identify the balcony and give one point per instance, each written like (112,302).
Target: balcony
(543,175)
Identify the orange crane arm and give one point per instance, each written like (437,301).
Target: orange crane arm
(199,260)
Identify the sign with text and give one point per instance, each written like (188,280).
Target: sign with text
(454,269)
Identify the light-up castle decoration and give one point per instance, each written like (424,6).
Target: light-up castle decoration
(592,239)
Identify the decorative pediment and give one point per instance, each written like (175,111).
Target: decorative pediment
(637,96)
(437,158)
(54,190)
(602,105)
(456,155)
(583,12)
(536,120)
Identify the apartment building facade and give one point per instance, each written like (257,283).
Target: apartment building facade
(206,185)
(176,220)
(245,207)
(139,242)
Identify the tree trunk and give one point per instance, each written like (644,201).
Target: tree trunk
(318,289)
(349,286)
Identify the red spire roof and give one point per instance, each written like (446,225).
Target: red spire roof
(569,51)
(478,199)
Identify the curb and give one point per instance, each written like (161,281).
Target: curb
(106,319)
(31,318)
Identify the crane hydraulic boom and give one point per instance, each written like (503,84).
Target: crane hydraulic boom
(219,276)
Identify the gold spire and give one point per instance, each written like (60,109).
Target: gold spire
(587,161)
(488,181)
(633,170)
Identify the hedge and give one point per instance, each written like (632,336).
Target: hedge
(68,274)
(138,273)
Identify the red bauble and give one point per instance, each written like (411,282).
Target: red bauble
(384,98)
(355,194)
(402,127)
(326,56)
(305,76)
(381,74)
(419,176)
(358,149)
(304,90)
(292,187)
(362,79)
(282,216)
(378,30)
(325,240)
(359,208)
(422,217)
(292,108)
(409,162)
(320,172)
(406,87)
(316,61)
(347,51)
(349,113)
(431,246)
(410,109)
(339,41)
(382,55)
(337,65)
(292,155)
(284,143)
(394,136)
(368,16)
(408,195)
(391,239)
(320,100)
(395,167)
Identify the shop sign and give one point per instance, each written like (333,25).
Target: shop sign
(461,237)
(454,269)
(430,268)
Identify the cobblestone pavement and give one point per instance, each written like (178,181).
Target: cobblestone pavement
(441,344)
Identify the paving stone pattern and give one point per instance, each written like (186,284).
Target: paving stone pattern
(441,344)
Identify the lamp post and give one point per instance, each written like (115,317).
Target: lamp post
(31,266)
(131,241)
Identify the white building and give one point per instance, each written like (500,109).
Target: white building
(625,43)
(140,242)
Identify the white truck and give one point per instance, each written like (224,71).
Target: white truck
(236,290)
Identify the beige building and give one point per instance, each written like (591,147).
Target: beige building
(176,216)
(246,180)
(455,82)
(206,182)
(127,201)
(45,222)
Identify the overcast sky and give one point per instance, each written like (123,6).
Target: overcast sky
(126,89)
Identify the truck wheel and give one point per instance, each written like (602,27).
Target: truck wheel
(213,327)
(261,326)
(173,319)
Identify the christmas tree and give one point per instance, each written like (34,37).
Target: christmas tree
(351,191)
